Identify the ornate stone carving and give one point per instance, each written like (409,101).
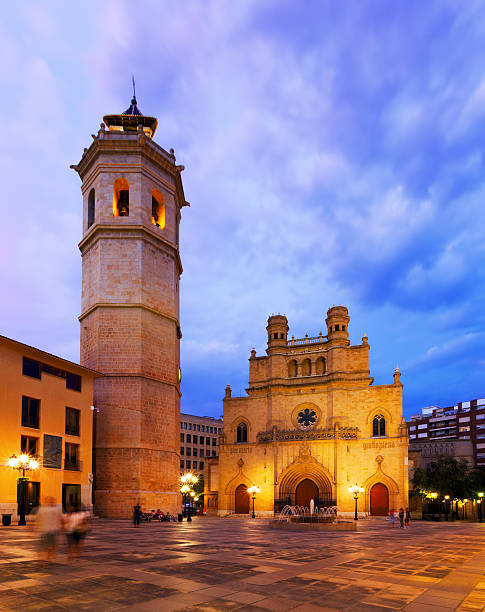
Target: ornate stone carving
(289,435)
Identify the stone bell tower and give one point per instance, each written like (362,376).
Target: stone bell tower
(133,196)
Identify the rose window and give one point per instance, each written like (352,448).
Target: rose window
(306,418)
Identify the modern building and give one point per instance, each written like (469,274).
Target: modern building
(199,439)
(464,421)
(46,414)
(130,330)
(311,426)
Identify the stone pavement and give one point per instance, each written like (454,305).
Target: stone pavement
(216,564)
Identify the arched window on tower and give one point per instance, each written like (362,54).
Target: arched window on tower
(242,433)
(91,209)
(320,366)
(158,209)
(378,426)
(121,198)
(292,368)
(306,367)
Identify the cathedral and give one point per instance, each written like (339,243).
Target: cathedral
(311,426)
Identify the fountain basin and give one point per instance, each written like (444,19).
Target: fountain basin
(292,525)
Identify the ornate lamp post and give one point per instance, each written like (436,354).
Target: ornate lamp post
(187,481)
(23,463)
(479,503)
(252,491)
(446,502)
(355,490)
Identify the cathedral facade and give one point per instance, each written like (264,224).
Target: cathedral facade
(311,426)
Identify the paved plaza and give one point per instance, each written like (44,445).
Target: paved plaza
(237,564)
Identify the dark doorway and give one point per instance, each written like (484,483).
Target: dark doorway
(379,500)
(71,496)
(305,491)
(32,493)
(242,500)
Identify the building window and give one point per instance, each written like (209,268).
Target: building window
(52,455)
(208,441)
(190,426)
(242,433)
(292,368)
(182,464)
(189,438)
(185,425)
(188,464)
(203,428)
(91,204)
(320,366)
(31,368)
(189,451)
(214,454)
(465,428)
(30,412)
(214,441)
(29,445)
(218,430)
(72,421)
(181,437)
(207,452)
(194,452)
(158,209)
(71,456)
(201,465)
(378,426)
(306,367)
(194,439)
(73,381)
(182,450)
(121,198)
(198,427)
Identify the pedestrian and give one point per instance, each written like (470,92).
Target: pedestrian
(48,523)
(407,519)
(76,527)
(401,517)
(136,516)
(392,517)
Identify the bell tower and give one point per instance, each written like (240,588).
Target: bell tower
(130,331)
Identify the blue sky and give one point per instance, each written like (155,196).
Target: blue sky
(334,154)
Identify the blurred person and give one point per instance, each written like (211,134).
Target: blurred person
(76,526)
(48,523)
(136,515)
(407,518)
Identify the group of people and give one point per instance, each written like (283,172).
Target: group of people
(403,515)
(139,516)
(50,522)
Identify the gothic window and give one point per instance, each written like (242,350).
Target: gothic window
(242,432)
(320,366)
(378,426)
(91,210)
(306,418)
(121,198)
(292,368)
(306,367)
(158,209)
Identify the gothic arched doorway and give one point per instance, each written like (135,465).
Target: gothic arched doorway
(379,500)
(305,491)
(241,505)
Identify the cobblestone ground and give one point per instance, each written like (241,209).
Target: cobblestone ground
(237,564)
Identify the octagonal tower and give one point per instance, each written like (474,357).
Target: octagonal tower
(130,330)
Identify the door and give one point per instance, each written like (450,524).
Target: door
(242,500)
(71,496)
(32,494)
(305,491)
(379,500)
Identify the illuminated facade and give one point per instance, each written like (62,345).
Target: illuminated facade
(130,330)
(46,413)
(311,426)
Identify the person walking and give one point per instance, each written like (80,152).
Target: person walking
(407,519)
(401,517)
(76,527)
(392,517)
(48,523)
(136,516)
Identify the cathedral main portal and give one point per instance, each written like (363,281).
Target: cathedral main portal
(306,491)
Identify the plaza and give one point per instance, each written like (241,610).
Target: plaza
(217,564)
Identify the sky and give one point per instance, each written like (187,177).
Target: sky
(334,154)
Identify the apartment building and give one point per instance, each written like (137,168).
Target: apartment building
(464,421)
(199,439)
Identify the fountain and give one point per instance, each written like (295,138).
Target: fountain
(312,518)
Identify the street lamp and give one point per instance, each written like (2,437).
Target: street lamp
(356,490)
(187,481)
(465,501)
(446,502)
(23,463)
(252,491)
(479,502)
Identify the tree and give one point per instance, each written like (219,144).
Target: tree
(445,476)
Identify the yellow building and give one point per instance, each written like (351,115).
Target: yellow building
(311,426)
(46,413)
